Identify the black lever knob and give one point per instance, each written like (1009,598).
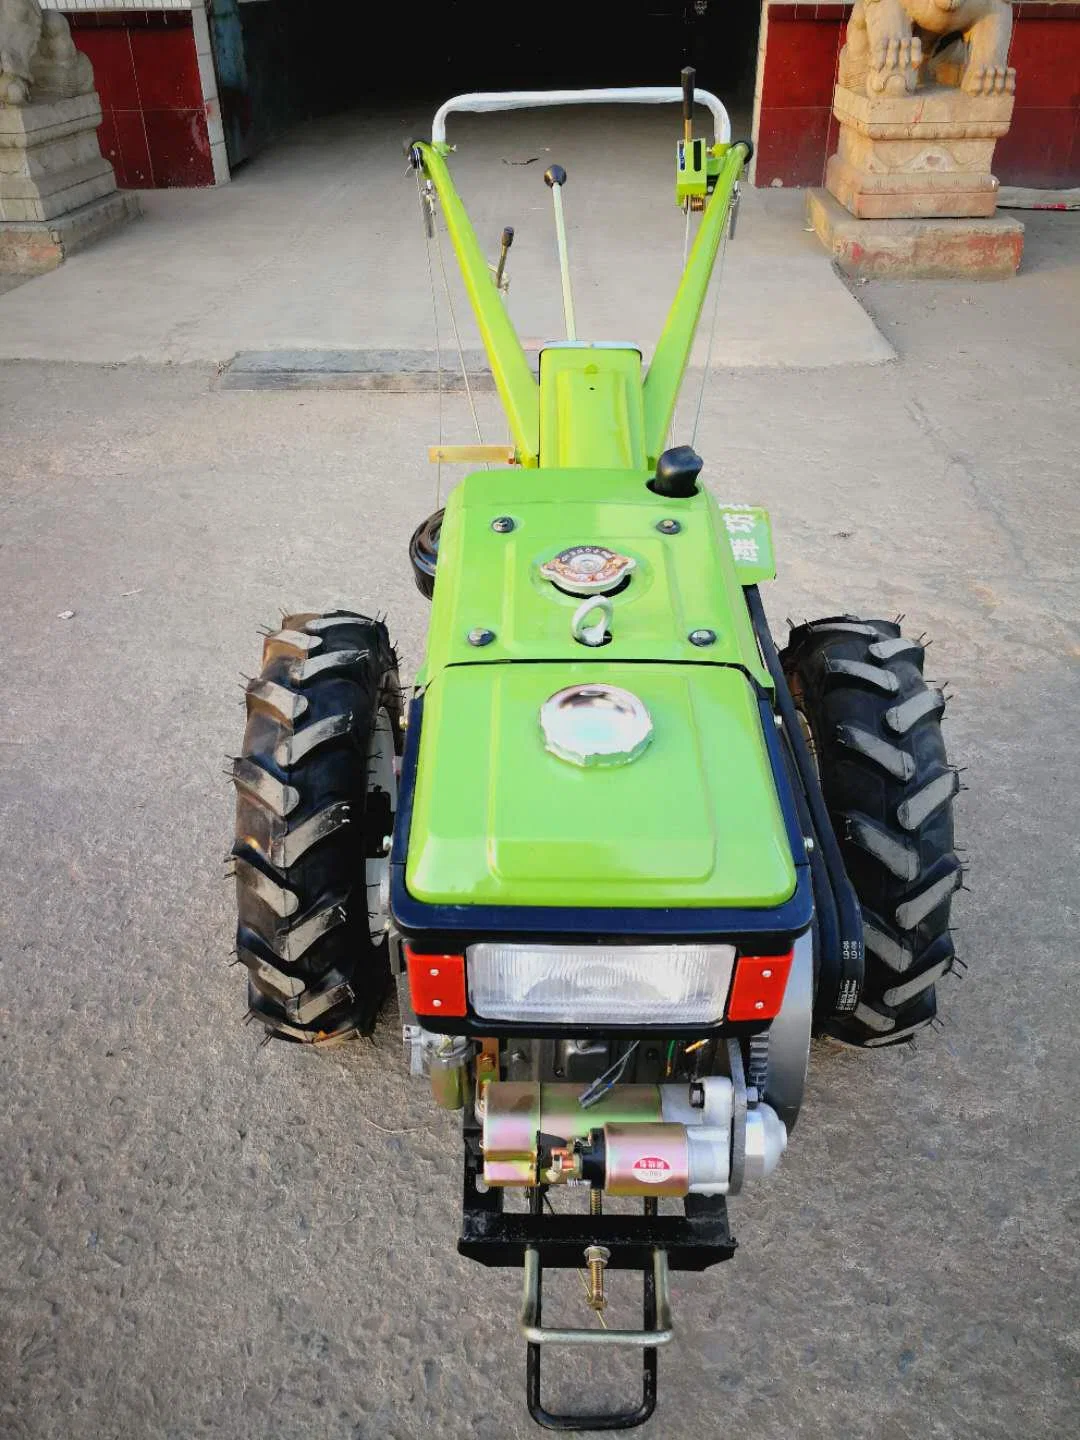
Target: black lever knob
(555,175)
(689,77)
(676,473)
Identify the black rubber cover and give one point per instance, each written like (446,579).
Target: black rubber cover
(677,471)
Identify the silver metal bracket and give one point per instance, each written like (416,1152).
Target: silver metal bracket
(428,199)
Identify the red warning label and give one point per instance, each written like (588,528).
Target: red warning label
(652,1169)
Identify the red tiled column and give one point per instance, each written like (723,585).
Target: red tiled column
(793,126)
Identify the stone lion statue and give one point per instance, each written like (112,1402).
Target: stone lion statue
(891,44)
(38,58)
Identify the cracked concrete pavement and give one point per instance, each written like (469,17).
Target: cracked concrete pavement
(200,1237)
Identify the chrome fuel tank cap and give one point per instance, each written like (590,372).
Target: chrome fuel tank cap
(595,725)
(587,569)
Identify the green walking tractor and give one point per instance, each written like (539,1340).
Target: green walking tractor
(622,856)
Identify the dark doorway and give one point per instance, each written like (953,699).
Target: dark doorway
(303,62)
(604,42)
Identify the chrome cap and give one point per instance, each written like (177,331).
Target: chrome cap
(595,725)
(587,569)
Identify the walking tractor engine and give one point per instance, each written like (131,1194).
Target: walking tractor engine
(634,1140)
(621,854)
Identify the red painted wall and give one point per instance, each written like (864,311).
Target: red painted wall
(153,127)
(797,131)
(1043,146)
(154,121)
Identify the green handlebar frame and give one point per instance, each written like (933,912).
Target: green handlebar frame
(514,380)
(672,354)
(518,390)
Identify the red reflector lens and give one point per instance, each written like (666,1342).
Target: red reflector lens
(436,983)
(760,982)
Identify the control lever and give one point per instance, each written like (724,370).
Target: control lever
(505,242)
(693,184)
(555,179)
(689,77)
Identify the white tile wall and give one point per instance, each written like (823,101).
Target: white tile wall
(201,29)
(763,39)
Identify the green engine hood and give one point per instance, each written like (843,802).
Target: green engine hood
(683,582)
(498,820)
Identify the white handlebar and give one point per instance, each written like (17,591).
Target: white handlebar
(534,99)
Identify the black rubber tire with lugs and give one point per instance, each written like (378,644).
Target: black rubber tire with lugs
(889,788)
(306,824)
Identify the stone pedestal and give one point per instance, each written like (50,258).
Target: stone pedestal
(925,249)
(918,156)
(57,191)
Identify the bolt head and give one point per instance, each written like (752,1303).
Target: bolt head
(502,525)
(668,527)
(480,636)
(702,637)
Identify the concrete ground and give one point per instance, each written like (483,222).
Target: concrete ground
(320,244)
(199,1237)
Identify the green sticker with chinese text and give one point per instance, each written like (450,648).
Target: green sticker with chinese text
(749,533)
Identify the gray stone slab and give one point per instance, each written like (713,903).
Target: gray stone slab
(398,371)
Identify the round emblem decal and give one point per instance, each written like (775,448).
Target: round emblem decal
(587,569)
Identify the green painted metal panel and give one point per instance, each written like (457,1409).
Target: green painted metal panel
(694,821)
(682,582)
(592,414)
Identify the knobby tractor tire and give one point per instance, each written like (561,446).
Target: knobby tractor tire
(323,716)
(875,725)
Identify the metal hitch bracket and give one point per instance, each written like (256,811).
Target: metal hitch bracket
(656,1330)
(659,1332)
(542,1239)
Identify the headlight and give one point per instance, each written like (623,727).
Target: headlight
(600,984)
